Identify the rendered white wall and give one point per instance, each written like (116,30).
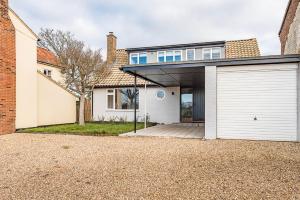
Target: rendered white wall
(161,111)
(55,104)
(210,102)
(55,72)
(26,78)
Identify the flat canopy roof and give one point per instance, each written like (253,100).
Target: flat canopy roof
(191,73)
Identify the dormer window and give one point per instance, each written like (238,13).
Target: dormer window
(48,72)
(190,54)
(161,56)
(138,58)
(169,56)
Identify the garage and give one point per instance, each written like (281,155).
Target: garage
(257,102)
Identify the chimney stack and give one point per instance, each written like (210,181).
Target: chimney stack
(111,48)
(4,9)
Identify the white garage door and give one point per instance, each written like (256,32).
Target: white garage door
(257,103)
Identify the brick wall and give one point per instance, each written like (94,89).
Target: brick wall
(7,71)
(111,48)
(289,18)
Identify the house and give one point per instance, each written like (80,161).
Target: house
(290,29)
(237,93)
(29,98)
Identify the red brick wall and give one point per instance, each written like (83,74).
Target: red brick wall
(7,71)
(289,17)
(111,48)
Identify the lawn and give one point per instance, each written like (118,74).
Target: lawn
(112,129)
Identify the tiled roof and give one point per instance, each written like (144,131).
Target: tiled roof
(242,48)
(116,77)
(46,56)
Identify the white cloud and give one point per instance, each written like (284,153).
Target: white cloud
(158,22)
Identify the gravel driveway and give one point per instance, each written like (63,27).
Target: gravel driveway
(79,167)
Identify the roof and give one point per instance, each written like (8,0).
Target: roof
(117,78)
(242,48)
(45,56)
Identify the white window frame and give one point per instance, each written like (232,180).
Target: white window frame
(186,53)
(203,50)
(138,57)
(110,94)
(114,101)
(46,72)
(165,55)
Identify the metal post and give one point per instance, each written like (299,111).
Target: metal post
(145,114)
(135,103)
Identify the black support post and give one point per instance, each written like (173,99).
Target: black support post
(135,103)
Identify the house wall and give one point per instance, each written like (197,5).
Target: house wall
(55,72)
(161,111)
(26,79)
(289,33)
(7,71)
(292,45)
(55,104)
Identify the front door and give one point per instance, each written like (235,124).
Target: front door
(186,105)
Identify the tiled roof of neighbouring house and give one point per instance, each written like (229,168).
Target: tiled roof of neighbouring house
(242,48)
(117,78)
(47,57)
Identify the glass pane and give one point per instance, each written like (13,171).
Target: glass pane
(190,54)
(177,56)
(161,56)
(134,59)
(187,105)
(216,53)
(110,101)
(207,54)
(169,56)
(124,99)
(143,58)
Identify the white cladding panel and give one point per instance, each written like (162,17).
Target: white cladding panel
(257,102)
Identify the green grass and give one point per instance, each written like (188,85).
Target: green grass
(98,129)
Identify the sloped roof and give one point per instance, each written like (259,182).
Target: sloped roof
(47,57)
(117,78)
(242,48)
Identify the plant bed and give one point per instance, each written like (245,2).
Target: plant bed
(90,128)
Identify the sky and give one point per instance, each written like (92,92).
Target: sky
(139,23)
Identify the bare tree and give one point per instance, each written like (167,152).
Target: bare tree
(82,66)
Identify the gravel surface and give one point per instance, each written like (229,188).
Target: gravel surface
(84,167)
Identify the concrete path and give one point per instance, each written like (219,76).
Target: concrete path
(172,130)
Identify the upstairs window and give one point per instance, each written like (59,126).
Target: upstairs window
(169,56)
(212,53)
(48,72)
(190,54)
(138,58)
(161,56)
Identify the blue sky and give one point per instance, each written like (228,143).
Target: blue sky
(158,22)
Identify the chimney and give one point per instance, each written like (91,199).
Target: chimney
(4,9)
(111,48)
(7,71)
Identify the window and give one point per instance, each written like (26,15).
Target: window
(161,56)
(134,59)
(110,99)
(206,54)
(190,54)
(216,53)
(48,72)
(177,56)
(169,56)
(143,58)
(138,58)
(160,94)
(212,53)
(122,99)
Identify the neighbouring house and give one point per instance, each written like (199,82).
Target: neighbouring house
(290,29)
(29,98)
(227,85)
